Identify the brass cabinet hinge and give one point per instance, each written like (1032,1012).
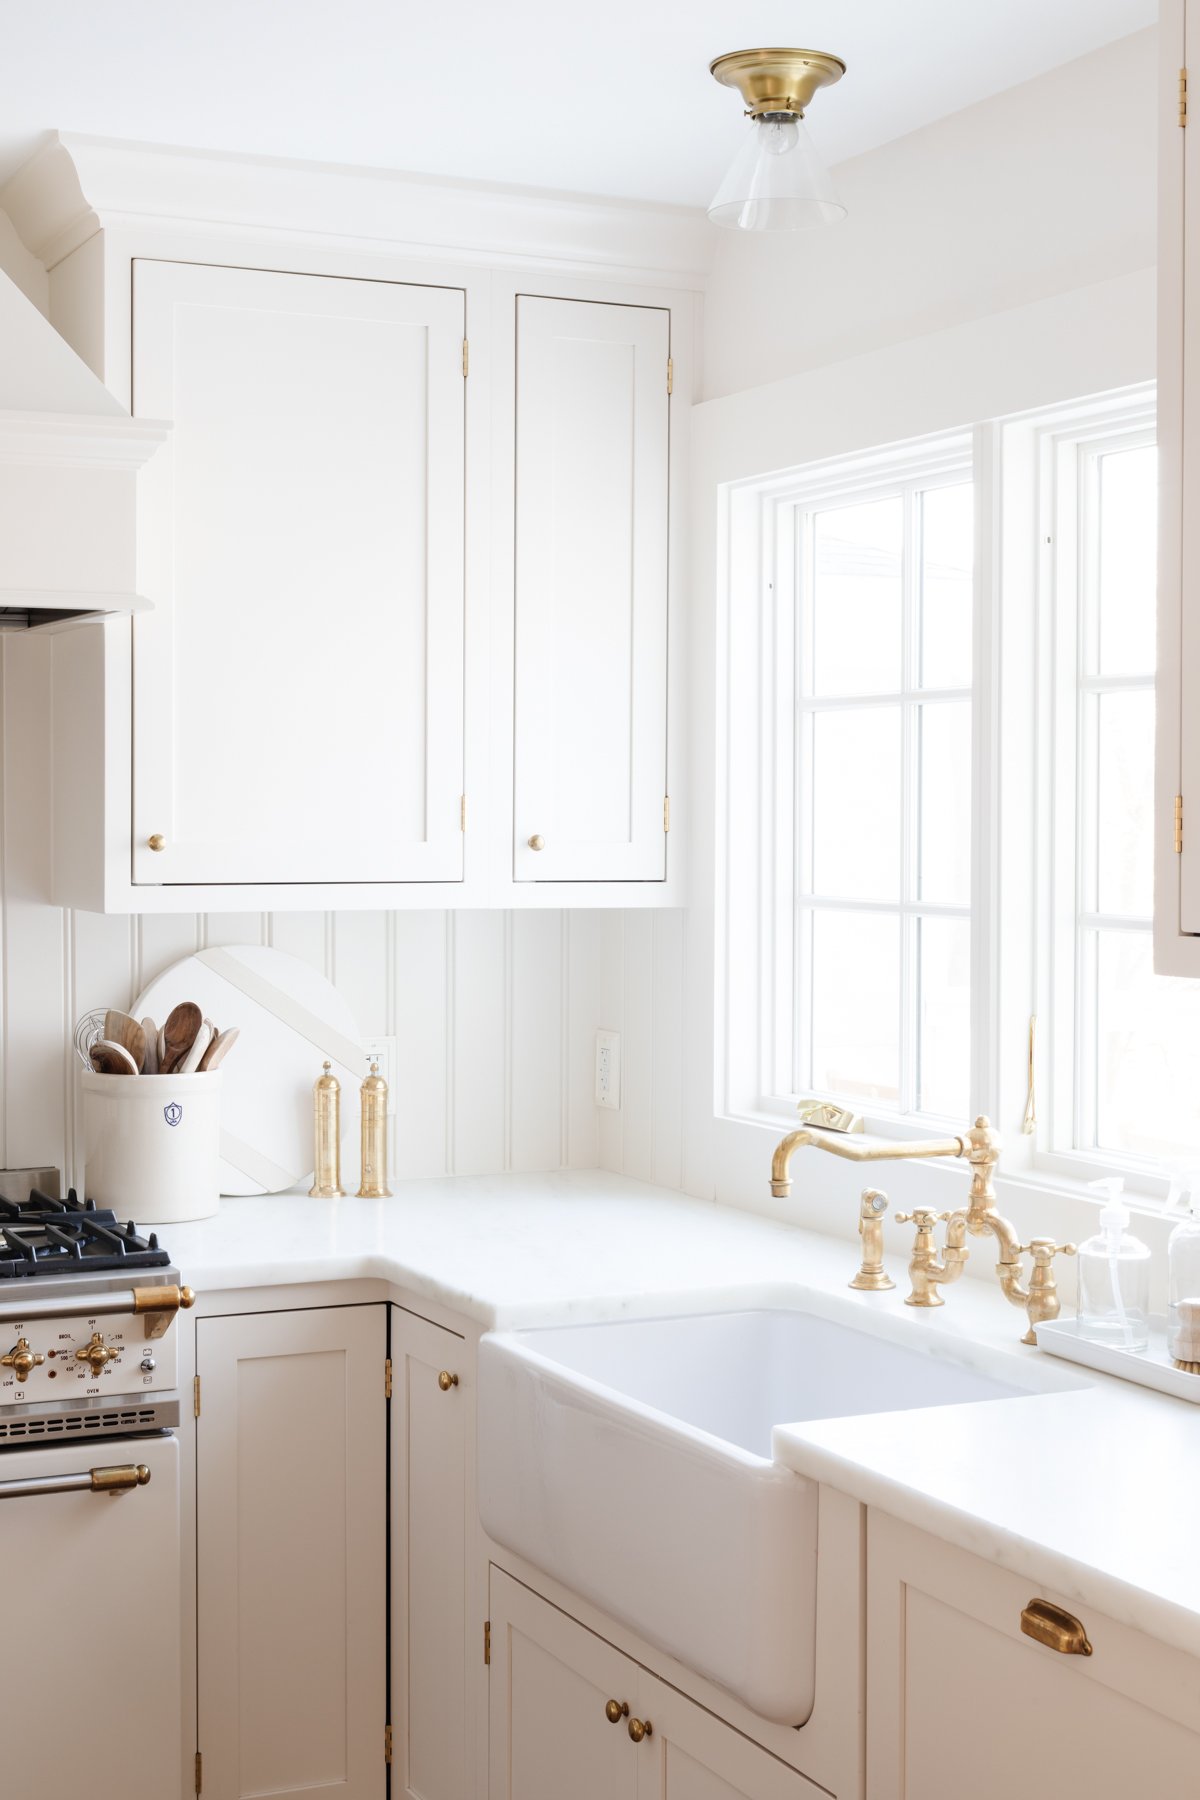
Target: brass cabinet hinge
(387,1743)
(666,812)
(487,1642)
(199,1772)
(1183,97)
(462,812)
(387,1378)
(195,1396)
(670,374)
(1179,824)
(466,359)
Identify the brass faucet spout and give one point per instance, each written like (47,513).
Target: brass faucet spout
(854,1148)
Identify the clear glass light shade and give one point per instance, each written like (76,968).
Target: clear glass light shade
(776,182)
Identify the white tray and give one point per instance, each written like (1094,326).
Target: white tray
(1152,1368)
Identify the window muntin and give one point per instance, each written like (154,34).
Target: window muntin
(882,903)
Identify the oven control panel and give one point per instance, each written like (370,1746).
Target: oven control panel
(83,1359)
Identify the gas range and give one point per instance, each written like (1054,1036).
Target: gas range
(86,1305)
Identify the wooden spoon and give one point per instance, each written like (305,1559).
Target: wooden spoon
(161,1049)
(150,1066)
(111,1059)
(119,1028)
(222,1043)
(179,1034)
(200,1043)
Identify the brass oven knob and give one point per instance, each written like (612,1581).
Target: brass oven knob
(157,842)
(537,841)
(446,1381)
(616,1710)
(97,1353)
(639,1729)
(21,1359)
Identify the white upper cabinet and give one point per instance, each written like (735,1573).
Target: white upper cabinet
(298,688)
(592,446)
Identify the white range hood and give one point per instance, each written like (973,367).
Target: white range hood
(69,460)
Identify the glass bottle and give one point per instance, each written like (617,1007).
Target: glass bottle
(1183,1289)
(1114,1279)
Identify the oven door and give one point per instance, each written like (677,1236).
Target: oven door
(90,1604)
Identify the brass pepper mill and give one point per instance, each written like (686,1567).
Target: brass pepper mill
(327,1137)
(374,1093)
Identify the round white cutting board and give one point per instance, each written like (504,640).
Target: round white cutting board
(291,1020)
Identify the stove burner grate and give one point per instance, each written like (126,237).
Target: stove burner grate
(47,1236)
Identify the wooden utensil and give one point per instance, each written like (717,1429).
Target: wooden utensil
(222,1043)
(161,1049)
(119,1028)
(109,1058)
(200,1043)
(150,1066)
(179,1034)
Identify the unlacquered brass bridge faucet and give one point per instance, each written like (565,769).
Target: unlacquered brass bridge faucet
(831,1128)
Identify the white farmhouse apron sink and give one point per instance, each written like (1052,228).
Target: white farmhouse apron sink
(632,1462)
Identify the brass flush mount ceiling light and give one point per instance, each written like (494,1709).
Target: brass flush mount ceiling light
(777,182)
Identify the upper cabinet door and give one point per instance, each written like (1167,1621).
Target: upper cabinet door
(592,445)
(298,689)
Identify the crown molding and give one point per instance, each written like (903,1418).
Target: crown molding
(83,440)
(77,185)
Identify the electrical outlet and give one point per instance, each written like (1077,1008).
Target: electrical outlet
(608,1070)
(382,1050)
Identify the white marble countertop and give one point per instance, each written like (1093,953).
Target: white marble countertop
(1088,1491)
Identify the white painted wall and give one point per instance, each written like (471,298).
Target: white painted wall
(1045,188)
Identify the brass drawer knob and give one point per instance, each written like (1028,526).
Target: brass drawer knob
(537,841)
(639,1729)
(1055,1627)
(615,1711)
(446,1381)
(157,842)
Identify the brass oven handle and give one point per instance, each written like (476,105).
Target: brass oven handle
(1055,1627)
(117,1480)
(158,1304)
(446,1381)
(639,1729)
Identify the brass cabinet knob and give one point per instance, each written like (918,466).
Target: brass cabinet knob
(21,1360)
(1055,1627)
(97,1353)
(616,1710)
(537,841)
(639,1729)
(446,1381)
(157,842)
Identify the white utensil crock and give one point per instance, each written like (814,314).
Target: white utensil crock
(152,1145)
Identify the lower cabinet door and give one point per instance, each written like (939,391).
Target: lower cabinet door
(291,1520)
(431,1408)
(962,1703)
(572,1718)
(551,1684)
(689,1754)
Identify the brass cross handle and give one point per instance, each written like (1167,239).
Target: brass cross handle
(1044,1250)
(21,1360)
(97,1353)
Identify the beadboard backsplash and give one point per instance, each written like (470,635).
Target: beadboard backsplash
(494,1013)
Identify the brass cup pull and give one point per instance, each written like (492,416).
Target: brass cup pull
(1056,1628)
(616,1710)
(446,1381)
(639,1729)
(157,842)
(537,841)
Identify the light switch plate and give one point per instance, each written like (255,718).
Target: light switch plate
(608,1070)
(382,1050)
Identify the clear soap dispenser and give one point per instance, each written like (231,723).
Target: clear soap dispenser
(1114,1278)
(1183,1281)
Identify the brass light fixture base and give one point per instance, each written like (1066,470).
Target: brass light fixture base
(777,81)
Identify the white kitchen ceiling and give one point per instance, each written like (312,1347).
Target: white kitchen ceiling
(613,98)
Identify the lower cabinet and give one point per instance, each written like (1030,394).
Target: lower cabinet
(432,1388)
(291,1542)
(570,1715)
(961,1702)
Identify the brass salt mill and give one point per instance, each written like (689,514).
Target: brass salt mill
(327,1137)
(374,1096)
